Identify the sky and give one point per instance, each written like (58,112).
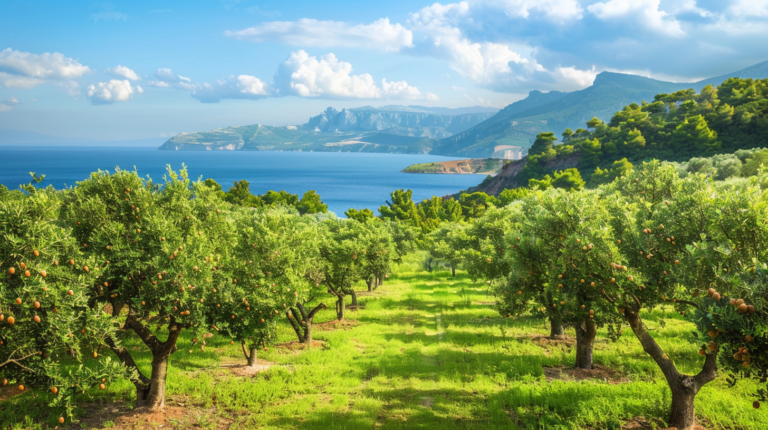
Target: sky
(148,69)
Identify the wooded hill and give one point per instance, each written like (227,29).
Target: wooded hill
(519,123)
(673,127)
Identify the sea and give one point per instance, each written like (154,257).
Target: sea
(343,180)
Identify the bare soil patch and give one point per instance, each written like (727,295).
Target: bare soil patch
(298,346)
(344,324)
(598,372)
(240,368)
(641,423)
(547,342)
(176,415)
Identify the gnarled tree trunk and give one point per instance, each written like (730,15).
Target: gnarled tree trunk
(303,327)
(684,387)
(156,395)
(585,341)
(251,358)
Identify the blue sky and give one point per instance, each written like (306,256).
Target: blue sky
(128,70)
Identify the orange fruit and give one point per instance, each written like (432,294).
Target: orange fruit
(12,270)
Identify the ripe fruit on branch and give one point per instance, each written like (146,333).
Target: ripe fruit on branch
(12,270)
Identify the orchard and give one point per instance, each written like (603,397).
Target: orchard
(113,282)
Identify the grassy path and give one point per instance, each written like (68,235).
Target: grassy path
(429,352)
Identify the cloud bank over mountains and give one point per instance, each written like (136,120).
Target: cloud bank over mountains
(502,46)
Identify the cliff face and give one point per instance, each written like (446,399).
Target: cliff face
(388,129)
(507,178)
(487,166)
(399,122)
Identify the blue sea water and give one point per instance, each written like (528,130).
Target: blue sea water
(343,180)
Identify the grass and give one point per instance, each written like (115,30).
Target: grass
(428,352)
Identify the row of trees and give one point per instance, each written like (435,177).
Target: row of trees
(601,258)
(82,269)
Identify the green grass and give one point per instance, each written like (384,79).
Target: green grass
(429,352)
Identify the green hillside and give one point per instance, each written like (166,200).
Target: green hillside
(673,127)
(519,123)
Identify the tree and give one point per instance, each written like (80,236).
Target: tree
(378,250)
(341,268)
(362,215)
(568,179)
(695,136)
(445,244)
(402,207)
(149,242)
(273,198)
(404,238)
(594,122)
(240,194)
(542,144)
(268,269)
(45,319)
(310,203)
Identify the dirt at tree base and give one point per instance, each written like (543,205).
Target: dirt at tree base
(176,415)
(335,324)
(9,391)
(641,423)
(239,368)
(295,345)
(598,372)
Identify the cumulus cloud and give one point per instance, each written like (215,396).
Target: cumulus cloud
(26,70)
(123,72)
(12,101)
(646,12)
(116,90)
(234,87)
(380,34)
(482,62)
(165,78)
(328,77)
(559,11)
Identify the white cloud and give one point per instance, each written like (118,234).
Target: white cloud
(115,90)
(12,101)
(480,62)
(748,8)
(646,12)
(26,70)
(380,34)
(123,72)
(306,76)
(234,87)
(458,88)
(573,78)
(4,108)
(559,11)
(165,78)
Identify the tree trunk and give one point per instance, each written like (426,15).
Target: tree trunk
(156,396)
(252,357)
(585,340)
(682,414)
(429,264)
(370,282)
(453,270)
(555,328)
(340,306)
(683,387)
(380,282)
(303,330)
(354,299)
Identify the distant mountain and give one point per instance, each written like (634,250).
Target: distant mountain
(519,123)
(18,137)
(364,129)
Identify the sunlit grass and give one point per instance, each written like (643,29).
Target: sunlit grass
(429,352)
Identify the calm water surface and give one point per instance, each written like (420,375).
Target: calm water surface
(343,180)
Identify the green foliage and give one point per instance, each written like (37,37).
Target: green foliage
(542,144)
(362,215)
(310,203)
